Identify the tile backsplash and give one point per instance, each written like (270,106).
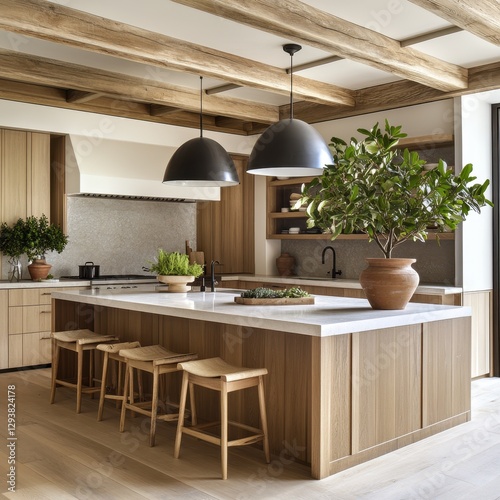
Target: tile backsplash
(120,235)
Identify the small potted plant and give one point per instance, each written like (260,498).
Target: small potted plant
(175,270)
(376,189)
(36,236)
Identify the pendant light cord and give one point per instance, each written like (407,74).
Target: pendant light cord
(201,106)
(291,86)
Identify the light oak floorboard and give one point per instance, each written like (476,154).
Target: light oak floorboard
(62,455)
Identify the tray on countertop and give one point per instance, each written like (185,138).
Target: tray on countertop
(282,301)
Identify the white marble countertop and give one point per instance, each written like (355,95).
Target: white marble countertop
(6,284)
(428,289)
(328,316)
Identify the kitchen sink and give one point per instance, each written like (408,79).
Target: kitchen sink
(315,278)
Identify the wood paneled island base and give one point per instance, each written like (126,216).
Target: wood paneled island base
(334,398)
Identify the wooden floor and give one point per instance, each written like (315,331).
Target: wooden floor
(61,455)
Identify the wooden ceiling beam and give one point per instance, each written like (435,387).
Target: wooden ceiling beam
(302,23)
(50,96)
(395,95)
(478,17)
(79,96)
(59,24)
(33,69)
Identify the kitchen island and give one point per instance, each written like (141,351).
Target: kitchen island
(346,383)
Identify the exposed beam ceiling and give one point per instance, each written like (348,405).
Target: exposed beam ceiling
(243,95)
(319,29)
(60,24)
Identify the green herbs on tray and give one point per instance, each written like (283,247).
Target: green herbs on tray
(268,293)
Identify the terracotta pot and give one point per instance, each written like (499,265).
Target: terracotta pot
(285,264)
(176,284)
(389,283)
(39,269)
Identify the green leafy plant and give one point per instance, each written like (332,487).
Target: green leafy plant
(174,264)
(377,189)
(33,236)
(269,293)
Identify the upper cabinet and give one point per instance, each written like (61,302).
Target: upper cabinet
(225,228)
(281,193)
(25,174)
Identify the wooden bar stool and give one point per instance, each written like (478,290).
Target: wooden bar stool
(216,374)
(111,352)
(153,359)
(77,341)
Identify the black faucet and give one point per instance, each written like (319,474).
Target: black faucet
(212,274)
(335,273)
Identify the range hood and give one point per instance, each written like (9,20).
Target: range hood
(101,167)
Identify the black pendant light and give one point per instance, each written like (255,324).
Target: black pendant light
(290,147)
(201,162)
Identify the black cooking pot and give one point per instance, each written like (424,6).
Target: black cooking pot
(88,271)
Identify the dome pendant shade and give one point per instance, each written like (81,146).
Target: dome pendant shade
(291,148)
(201,162)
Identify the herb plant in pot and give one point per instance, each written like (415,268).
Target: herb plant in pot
(376,189)
(174,269)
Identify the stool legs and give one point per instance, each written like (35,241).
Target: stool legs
(154,406)
(182,408)
(223,429)
(103,386)
(55,366)
(263,420)
(126,384)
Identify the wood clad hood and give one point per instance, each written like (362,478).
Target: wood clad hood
(143,59)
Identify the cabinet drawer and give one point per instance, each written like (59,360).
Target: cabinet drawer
(24,297)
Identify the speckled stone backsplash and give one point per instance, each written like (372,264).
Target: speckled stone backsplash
(435,263)
(122,235)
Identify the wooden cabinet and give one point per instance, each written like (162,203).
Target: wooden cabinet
(431,148)
(24,174)
(225,228)
(25,169)
(29,326)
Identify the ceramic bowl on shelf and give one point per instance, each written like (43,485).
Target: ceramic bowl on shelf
(294,230)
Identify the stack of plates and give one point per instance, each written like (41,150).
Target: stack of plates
(293,199)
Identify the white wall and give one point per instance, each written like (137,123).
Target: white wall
(473,144)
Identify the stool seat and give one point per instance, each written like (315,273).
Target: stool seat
(217,367)
(157,360)
(157,354)
(111,352)
(78,341)
(116,348)
(217,375)
(82,336)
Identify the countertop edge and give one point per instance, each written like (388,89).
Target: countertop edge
(329,316)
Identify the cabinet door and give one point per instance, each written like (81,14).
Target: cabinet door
(14,175)
(15,320)
(15,351)
(225,228)
(4,329)
(36,349)
(38,169)
(31,319)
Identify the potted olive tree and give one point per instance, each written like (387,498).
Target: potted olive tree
(377,189)
(174,269)
(34,236)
